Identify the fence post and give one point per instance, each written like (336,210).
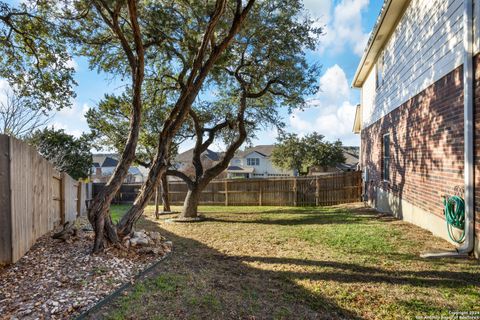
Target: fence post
(62,198)
(6,242)
(226,192)
(317,191)
(295,193)
(79,198)
(260,194)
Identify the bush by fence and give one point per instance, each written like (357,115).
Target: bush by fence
(34,198)
(322,190)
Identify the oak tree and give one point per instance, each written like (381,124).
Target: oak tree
(292,152)
(267,70)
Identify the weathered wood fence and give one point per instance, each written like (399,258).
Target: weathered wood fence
(322,190)
(34,198)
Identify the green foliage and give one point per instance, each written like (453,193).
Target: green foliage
(268,65)
(33,56)
(270,62)
(302,153)
(109,124)
(68,154)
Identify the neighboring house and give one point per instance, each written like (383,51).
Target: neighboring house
(183,162)
(351,155)
(104,165)
(256,163)
(413,103)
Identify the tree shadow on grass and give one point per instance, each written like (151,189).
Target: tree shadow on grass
(199,282)
(301,218)
(209,284)
(351,272)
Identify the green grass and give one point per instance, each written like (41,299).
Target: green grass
(297,263)
(118,210)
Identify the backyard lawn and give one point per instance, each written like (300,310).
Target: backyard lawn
(342,262)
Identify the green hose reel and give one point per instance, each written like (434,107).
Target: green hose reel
(455,215)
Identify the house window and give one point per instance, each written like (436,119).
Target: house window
(386,157)
(379,74)
(253,161)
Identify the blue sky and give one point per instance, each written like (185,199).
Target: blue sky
(347,27)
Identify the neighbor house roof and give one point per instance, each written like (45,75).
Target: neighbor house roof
(265,150)
(390,14)
(188,155)
(237,169)
(109,162)
(351,159)
(132,170)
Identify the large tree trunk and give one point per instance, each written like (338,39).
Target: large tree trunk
(157,213)
(190,205)
(189,93)
(165,198)
(99,215)
(158,168)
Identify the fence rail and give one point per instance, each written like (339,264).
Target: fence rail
(322,190)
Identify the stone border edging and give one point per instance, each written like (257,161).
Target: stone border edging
(122,288)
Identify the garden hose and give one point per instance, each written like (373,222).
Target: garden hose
(455,216)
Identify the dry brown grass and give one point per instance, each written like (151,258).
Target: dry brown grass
(298,263)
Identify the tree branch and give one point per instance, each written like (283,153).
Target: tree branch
(180,175)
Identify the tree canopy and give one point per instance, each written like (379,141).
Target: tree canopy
(292,152)
(34,56)
(68,153)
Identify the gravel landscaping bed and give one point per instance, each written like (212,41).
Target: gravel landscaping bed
(59,280)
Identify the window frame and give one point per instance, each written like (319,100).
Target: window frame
(386,157)
(256,162)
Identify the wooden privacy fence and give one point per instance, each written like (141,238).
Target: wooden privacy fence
(34,198)
(322,190)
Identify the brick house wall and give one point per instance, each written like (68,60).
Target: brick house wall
(426,146)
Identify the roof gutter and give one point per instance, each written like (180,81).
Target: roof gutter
(391,13)
(371,40)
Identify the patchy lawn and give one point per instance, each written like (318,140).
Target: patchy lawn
(341,262)
(117,211)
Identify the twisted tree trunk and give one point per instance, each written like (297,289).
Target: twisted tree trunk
(204,177)
(165,197)
(190,205)
(99,215)
(200,69)
(164,194)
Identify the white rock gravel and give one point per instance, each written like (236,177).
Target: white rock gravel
(60,280)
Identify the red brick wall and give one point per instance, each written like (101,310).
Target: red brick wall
(426,136)
(426,145)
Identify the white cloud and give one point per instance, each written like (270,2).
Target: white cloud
(75,113)
(72,120)
(71,63)
(331,111)
(343,25)
(319,8)
(4,88)
(60,125)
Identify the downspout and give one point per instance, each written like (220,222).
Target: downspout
(468,245)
